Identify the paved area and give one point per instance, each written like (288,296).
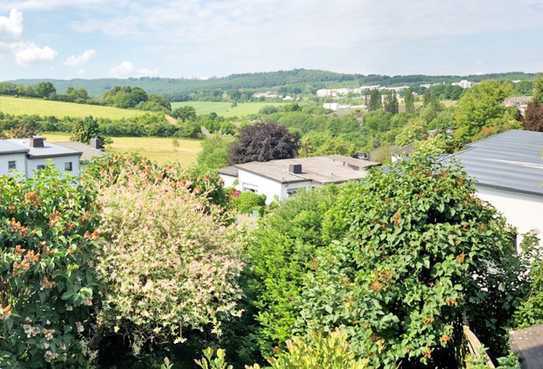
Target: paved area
(528,343)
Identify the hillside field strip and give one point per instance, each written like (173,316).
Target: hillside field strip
(159,149)
(224,109)
(60,109)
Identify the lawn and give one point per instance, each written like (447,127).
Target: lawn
(224,109)
(59,109)
(159,149)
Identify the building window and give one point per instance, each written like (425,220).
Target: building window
(12,164)
(68,166)
(40,167)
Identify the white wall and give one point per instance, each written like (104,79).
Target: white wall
(32,164)
(273,190)
(228,181)
(523,211)
(20,162)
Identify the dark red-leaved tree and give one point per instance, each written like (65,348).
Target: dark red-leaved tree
(533,120)
(263,142)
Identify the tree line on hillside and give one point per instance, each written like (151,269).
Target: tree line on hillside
(120,97)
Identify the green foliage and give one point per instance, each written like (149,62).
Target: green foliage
(48,289)
(480,112)
(324,143)
(538,90)
(409,101)
(316,351)
(391,104)
(213,360)
(84,130)
(393,259)
(45,89)
(185,113)
(530,311)
(375,100)
(125,97)
(280,253)
(248,202)
(215,152)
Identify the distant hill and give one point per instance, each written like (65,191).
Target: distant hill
(293,81)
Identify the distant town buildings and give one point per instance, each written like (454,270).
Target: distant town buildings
(464,84)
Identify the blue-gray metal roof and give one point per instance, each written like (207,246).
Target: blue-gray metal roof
(11,147)
(511,160)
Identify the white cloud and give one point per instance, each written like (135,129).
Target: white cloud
(55,4)
(12,24)
(83,58)
(30,53)
(128,69)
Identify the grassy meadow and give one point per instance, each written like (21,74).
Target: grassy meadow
(60,109)
(159,149)
(224,109)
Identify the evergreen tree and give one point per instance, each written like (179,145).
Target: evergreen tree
(391,103)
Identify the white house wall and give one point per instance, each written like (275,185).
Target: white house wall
(32,164)
(20,163)
(228,181)
(524,211)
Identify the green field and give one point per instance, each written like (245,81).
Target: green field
(159,149)
(224,109)
(59,109)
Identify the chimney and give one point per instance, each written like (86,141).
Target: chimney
(37,142)
(295,168)
(97,143)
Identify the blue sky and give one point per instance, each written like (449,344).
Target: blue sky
(203,38)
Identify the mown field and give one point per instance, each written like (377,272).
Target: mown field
(159,149)
(59,109)
(224,109)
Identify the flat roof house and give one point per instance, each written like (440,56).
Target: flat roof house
(279,179)
(508,170)
(25,156)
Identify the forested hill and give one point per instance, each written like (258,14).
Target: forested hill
(293,81)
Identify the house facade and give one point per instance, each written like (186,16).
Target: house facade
(26,156)
(508,172)
(280,179)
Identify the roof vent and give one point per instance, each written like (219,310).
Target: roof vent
(97,143)
(37,142)
(295,168)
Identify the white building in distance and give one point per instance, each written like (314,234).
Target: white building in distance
(26,156)
(280,179)
(464,84)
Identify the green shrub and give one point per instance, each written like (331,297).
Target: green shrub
(48,289)
(248,202)
(398,259)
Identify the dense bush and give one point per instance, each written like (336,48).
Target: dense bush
(215,152)
(248,202)
(533,120)
(48,289)
(399,260)
(168,264)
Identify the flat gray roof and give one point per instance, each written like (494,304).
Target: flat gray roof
(229,171)
(88,152)
(319,169)
(49,150)
(11,147)
(511,160)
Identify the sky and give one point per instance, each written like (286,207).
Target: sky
(202,38)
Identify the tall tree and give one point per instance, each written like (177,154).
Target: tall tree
(45,89)
(533,120)
(264,142)
(409,101)
(84,130)
(375,100)
(538,90)
(391,103)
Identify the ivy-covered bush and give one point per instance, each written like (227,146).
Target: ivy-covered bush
(168,264)
(400,260)
(48,290)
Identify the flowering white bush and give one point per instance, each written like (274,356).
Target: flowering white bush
(168,263)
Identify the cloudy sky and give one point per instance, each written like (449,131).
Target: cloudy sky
(202,38)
